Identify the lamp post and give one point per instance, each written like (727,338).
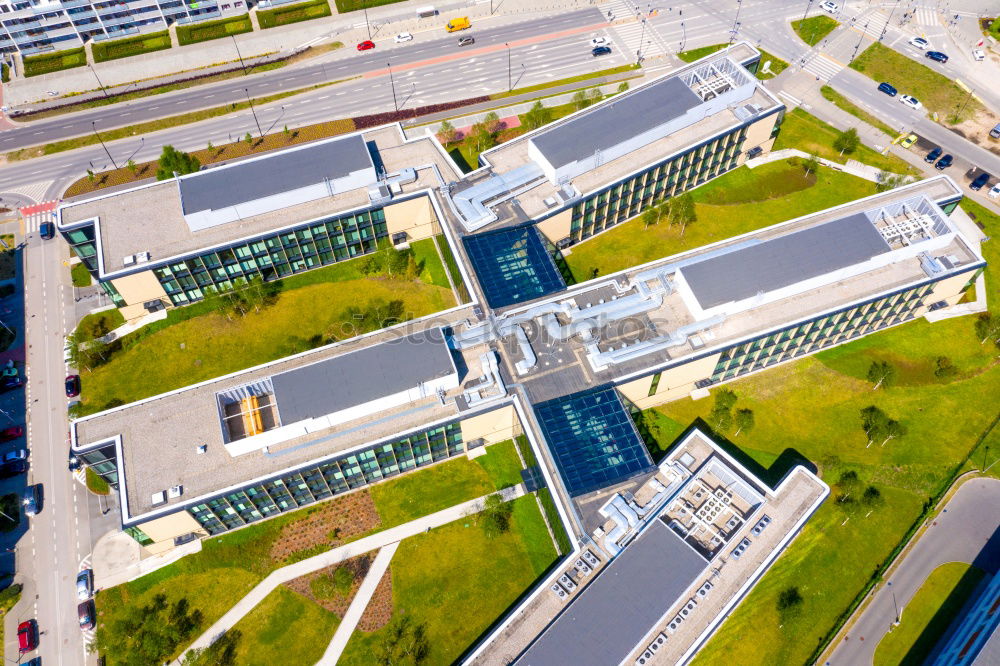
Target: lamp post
(642,38)
(886,28)
(392,84)
(894,605)
(808,5)
(368,25)
(509,86)
(736,21)
(93,125)
(94,71)
(254,112)
(239,55)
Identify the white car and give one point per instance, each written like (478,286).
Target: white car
(920,43)
(911,101)
(830,7)
(402,37)
(598,41)
(994,192)
(978,55)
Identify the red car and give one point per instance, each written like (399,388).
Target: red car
(27,636)
(10,433)
(72,386)
(366,45)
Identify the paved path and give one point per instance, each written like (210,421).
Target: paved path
(358,605)
(345,552)
(965,531)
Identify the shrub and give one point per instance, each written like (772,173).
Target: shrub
(208,30)
(130,46)
(53,62)
(303,11)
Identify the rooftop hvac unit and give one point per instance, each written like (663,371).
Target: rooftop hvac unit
(175,492)
(128,260)
(550,202)
(142,257)
(201,448)
(159,498)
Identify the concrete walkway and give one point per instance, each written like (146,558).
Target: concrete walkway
(852,167)
(341,554)
(358,605)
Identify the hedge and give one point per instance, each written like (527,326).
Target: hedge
(193,33)
(4,72)
(303,11)
(344,6)
(130,46)
(54,62)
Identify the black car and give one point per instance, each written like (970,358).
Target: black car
(12,469)
(936,56)
(944,162)
(600,50)
(933,155)
(980,181)
(11,383)
(887,89)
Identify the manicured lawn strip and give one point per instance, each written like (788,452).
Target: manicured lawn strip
(454,582)
(303,11)
(456,275)
(699,53)
(777,65)
(804,131)
(534,534)
(54,62)
(107,319)
(202,32)
(80,275)
(555,522)
(628,244)
(814,28)
(130,46)
(96,484)
(501,464)
(990,221)
(561,82)
(524,447)
(847,105)
(429,261)
(936,91)
(356,5)
(433,489)
(927,616)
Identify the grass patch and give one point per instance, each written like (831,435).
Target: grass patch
(131,46)
(4,73)
(9,597)
(502,464)
(344,6)
(800,129)
(847,105)
(10,505)
(203,32)
(938,93)
(814,28)
(54,62)
(572,79)
(8,258)
(80,275)
(456,275)
(777,64)
(96,322)
(429,262)
(697,54)
(926,617)
(454,572)
(555,522)
(97,484)
(773,192)
(303,11)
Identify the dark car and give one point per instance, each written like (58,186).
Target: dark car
(933,155)
(10,433)
(980,181)
(11,383)
(85,611)
(33,500)
(936,56)
(72,386)
(944,162)
(465,41)
(47,230)
(366,45)
(12,469)
(600,51)
(27,636)
(887,89)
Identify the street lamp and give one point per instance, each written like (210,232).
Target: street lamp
(736,22)
(509,86)
(103,89)
(808,5)
(254,112)
(93,125)
(393,85)
(894,605)
(642,37)
(238,55)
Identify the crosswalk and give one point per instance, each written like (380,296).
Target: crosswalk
(926,16)
(822,66)
(641,40)
(34,216)
(873,23)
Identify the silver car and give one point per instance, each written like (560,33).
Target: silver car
(84,584)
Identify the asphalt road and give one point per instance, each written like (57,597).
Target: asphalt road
(967,531)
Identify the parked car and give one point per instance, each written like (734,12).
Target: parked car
(366,45)
(403,37)
(12,469)
(72,386)
(85,584)
(909,141)
(829,7)
(11,383)
(600,40)
(465,41)
(933,155)
(85,611)
(47,230)
(995,132)
(33,500)
(944,162)
(911,101)
(887,89)
(980,181)
(920,43)
(936,56)
(600,51)
(27,636)
(10,433)
(978,55)
(11,456)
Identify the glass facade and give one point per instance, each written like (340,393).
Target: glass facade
(626,199)
(513,265)
(104,462)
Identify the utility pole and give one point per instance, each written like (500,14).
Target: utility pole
(239,55)
(93,124)
(642,37)
(103,89)
(736,22)
(808,5)
(254,112)
(509,85)
(368,25)
(886,28)
(393,85)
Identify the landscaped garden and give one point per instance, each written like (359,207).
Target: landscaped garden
(193,33)
(54,62)
(814,28)
(303,11)
(130,46)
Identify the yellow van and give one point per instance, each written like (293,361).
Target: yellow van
(457,24)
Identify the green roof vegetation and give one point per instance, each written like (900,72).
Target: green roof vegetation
(80,275)
(129,46)
(192,33)
(54,62)
(303,11)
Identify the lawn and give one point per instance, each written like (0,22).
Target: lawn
(357,5)
(847,105)
(54,62)
(456,274)
(80,275)
(740,201)
(130,46)
(777,64)
(804,131)
(303,11)
(454,582)
(571,79)
(814,28)
(427,257)
(937,92)
(207,30)
(925,619)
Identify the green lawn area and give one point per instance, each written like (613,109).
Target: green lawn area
(130,46)
(571,79)
(697,54)
(203,32)
(814,28)
(777,64)
(452,264)
(735,203)
(100,322)
(800,129)
(427,257)
(454,582)
(357,5)
(80,275)
(925,619)
(303,11)
(937,92)
(855,110)
(54,62)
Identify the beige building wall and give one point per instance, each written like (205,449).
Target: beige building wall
(416,217)
(165,529)
(948,290)
(139,288)
(493,426)
(675,383)
(557,227)
(759,134)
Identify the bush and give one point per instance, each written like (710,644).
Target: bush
(96,484)
(80,275)
(123,48)
(303,11)
(4,72)
(53,62)
(10,505)
(193,33)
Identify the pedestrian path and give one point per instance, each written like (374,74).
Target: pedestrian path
(822,66)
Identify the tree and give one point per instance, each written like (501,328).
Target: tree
(537,116)
(248,138)
(789,602)
(721,416)
(682,211)
(403,642)
(447,132)
(148,634)
(209,147)
(623,86)
(881,373)
(495,516)
(988,328)
(220,653)
(580,100)
(482,137)
(872,498)
(174,161)
(130,165)
(90,175)
(650,216)
(412,270)
(878,426)
(889,181)
(744,421)
(810,165)
(595,95)
(847,142)
(945,368)
(492,122)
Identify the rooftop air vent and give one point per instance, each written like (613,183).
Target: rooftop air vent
(201,448)
(159,498)
(142,257)
(175,492)
(550,202)
(128,260)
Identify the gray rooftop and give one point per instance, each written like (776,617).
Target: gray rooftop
(341,382)
(607,620)
(283,171)
(772,264)
(616,121)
